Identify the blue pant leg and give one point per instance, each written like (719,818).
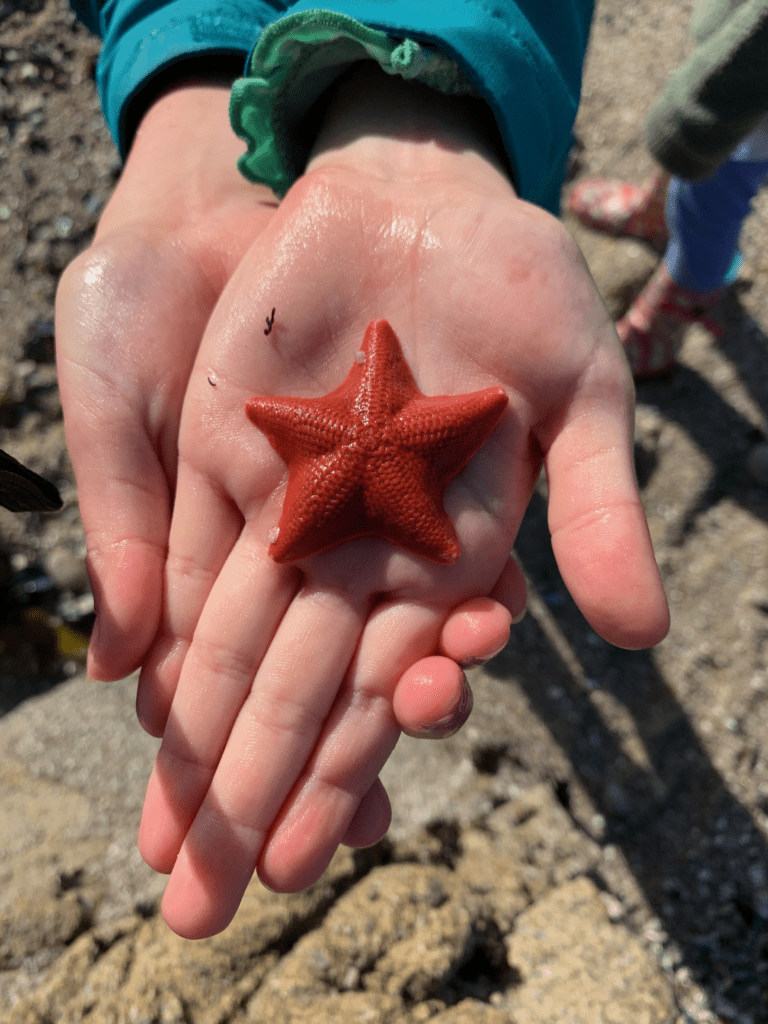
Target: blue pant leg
(705,218)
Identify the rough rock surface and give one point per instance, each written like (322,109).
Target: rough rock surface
(593,847)
(447,924)
(585,970)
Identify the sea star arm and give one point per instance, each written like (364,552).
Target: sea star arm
(300,427)
(403,504)
(449,435)
(320,503)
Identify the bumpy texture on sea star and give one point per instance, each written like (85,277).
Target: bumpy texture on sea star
(373,457)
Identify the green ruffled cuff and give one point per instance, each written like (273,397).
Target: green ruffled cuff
(294,62)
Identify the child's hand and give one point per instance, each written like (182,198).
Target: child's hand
(275,684)
(130,315)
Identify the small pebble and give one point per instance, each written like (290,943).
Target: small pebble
(64,226)
(360,357)
(75,609)
(94,204)
(351,979)
(757,464)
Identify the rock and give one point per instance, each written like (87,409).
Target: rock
(39,919)
(576,966)
(402,929)
(523,849)
(132,969)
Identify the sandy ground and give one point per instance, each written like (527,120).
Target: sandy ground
(591,847)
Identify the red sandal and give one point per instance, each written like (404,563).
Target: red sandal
(622,209)
(650,330)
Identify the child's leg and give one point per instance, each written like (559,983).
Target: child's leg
(705,220)
(702,258)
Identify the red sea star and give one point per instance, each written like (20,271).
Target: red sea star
(373,457)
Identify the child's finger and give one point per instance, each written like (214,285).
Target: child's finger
(476,630)
(120,427)
(432,699)
(231,638)
(599,531)
(205,528)
(511,590)
(125,514)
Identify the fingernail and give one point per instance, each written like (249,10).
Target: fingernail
(451,723)
(472,662)
(520,616)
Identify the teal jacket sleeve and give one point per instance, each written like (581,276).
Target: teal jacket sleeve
(144,38)
(523,57)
